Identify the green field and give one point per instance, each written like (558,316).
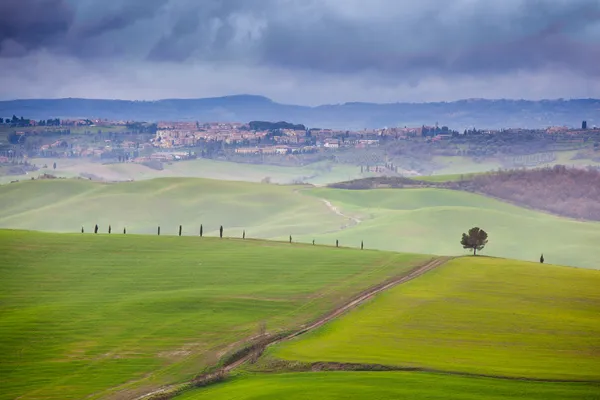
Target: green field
(425,221)
(472,315)
(87,316)
(456,165)
(447,178)
(388,386)
(264,211)
(320,173)
(432,220)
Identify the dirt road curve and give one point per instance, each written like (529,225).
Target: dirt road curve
(356,301)
(361,298)
(355,221)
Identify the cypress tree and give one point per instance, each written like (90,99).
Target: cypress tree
(124,231)
(221,232)
(244,234)
(96,229)
(159,231)
(201,230)
(362,245)
(290,238)
(337,243)
(82,229)
(542,259)
(313,242)
(179,230)
(109,229)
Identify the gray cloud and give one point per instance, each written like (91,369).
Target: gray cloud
(391,43)
(31,24)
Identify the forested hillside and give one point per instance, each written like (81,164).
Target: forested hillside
(565,191)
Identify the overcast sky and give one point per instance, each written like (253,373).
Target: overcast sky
(300,51)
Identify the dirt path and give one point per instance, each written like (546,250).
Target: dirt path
(356,301)
(355,221)
(353,303)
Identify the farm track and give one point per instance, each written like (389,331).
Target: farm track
(353,303)
(355,221)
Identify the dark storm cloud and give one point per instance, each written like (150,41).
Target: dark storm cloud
(339,49)
(29,24)
(335,36)
(123,15)
(477,39)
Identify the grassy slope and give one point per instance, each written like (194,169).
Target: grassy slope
(80,314)
(263,210)
(387,386)
(432,220)
(447,178)
(482,316)
(317,173)
(457,165)
(410,220)
(452,165)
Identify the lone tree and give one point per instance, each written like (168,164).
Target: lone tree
(337,243)
(290,238)
(542,259)
(201,230)
(475,239)
(362,245)
(244,234)
(96,229)
(109,229)
(159,231)
(179,230)
(82,229)
(124,231)
(221,232)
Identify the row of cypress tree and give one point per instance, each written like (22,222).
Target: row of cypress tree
(337,243)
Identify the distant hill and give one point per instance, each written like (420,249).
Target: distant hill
(461,114)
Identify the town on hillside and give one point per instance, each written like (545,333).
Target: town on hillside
(388,149)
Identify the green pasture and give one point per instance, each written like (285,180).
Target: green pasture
(387,386)
(87,316)
(425,221)
(264,211)
(432,221)
(456,165)
(472,315)
(447,178)
(320,173)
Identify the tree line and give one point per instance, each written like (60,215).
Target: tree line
(109,230)
(475,239)
(570,192)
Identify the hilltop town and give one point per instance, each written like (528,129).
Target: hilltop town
(388,149)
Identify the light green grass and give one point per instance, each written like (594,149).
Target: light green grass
(452,165)
(447,178)
(457,165)
(426,221)
(83,314)
(432,221)
(264,211)
(473,315)
(320,173)
(387,386)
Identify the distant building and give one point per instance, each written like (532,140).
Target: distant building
(584,125)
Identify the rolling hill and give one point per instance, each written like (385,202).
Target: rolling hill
(315,173)
(386,386)
(472,328)
(427,221)
(480,316)
(242,108)
(107,316)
